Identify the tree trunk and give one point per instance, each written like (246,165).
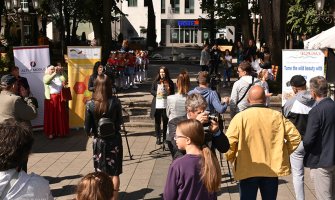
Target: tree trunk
(67,23)
(245,21)
(61,29)
(151,29)
(107,30)
(74,30)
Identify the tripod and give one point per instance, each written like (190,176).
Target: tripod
(126,118)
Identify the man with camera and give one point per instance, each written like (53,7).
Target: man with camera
(14,106)
(212,97)
(195,109)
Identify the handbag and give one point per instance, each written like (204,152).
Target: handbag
(66,94)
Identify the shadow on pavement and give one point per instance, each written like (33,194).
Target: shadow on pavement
(139,194)
(64,191)
(75,141)
(53,180)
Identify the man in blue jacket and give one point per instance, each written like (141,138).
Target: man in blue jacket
(319,140)
(212,98)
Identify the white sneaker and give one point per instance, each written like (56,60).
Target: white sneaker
(135,87)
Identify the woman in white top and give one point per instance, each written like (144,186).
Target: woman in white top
(227,70)
(56,114)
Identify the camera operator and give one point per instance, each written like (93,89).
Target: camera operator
(212,97)
(14,106)
(195,109)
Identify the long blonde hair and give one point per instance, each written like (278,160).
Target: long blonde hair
(96,186)
(102,93)
(210,168)
(183,82)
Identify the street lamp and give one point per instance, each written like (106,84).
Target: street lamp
(328,18)
(17,10)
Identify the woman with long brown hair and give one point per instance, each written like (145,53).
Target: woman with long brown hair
(107,151)
(196,175)
(162,87)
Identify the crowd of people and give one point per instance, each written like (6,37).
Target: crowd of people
(261,143)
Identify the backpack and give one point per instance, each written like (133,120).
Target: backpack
(106,126)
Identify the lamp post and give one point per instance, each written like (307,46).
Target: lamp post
(17,9)
(326,17)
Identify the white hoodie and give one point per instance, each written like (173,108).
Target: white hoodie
(27,186)
(239,88)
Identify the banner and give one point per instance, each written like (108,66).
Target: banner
(32,62)
(308,63)
(80,65)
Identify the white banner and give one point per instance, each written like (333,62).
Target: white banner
(32,61)
(308,63)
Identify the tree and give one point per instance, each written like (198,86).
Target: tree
(274,15)
(151,30)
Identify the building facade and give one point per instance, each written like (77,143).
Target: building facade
(177,24)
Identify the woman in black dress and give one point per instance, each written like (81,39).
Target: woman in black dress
(107,151)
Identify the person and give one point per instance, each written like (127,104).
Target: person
(56,113)
(239,92)
(296,110)
(204,58)
(12,105)
(125,46)
(227,69)
(239,52)
(22,82)
(197,175)
(161,88)
(319,140)
(23,109)
(211,96)
(95,185)
(195,109)
(263,76)
(107,151)
(261,140)
(250,51)
(97,70)
(16,141)
(215,55)
(175,105)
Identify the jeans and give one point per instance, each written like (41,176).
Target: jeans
(268,187)
(159,115)
(227,74)
(297,167)
(324,182)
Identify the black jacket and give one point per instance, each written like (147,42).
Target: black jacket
(319,140)
(220,142)
(91,122)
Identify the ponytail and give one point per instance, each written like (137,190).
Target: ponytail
(210,170)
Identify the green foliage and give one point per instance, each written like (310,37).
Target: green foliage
(302,18)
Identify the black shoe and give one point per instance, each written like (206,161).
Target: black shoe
(158,141)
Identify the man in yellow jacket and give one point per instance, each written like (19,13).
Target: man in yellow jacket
(261,140)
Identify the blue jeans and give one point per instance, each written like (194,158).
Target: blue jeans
(297,167)
(268,187)
(227,74)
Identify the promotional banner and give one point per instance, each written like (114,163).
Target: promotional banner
(80,65)
(32,62)
(308,63)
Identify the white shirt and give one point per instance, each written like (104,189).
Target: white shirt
(55,85)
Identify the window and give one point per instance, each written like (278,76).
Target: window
(189,6)
(162,6)
(24,5)
(132,3)
(176,6)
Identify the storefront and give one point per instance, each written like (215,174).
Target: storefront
(177,32)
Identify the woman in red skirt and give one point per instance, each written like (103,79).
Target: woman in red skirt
(56,114)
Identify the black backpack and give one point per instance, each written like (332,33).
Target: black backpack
(106,126)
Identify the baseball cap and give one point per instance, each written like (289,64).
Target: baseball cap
(8,79)
(297,81)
